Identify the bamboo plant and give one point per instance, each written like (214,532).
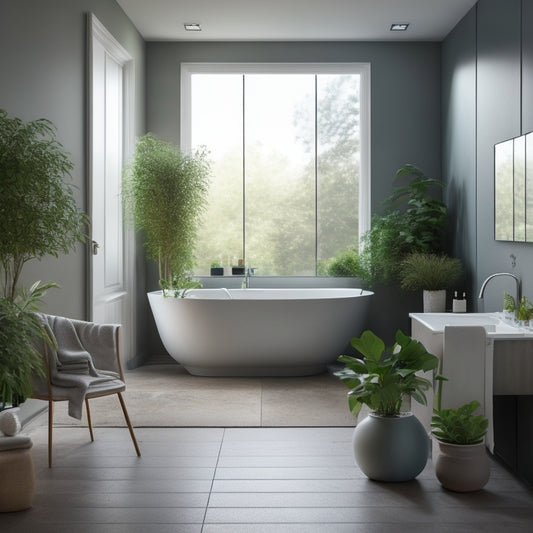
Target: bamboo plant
(38,217)
(165,193)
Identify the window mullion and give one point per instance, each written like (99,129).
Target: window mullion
(316,174)
(244,168)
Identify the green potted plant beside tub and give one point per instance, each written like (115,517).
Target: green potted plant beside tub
(462,464)
(217,269)
(433,274)
(165,194)
(389,445)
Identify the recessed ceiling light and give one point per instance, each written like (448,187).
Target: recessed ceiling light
(192,26)
(399,26)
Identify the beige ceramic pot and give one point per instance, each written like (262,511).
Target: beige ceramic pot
(462,468)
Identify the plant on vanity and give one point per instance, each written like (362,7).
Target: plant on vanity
(165,191)
(509,304)
(524,310)
(431,273)
(388,445)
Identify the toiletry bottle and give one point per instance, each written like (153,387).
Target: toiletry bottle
(459,305)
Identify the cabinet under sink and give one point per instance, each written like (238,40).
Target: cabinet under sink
(496,370)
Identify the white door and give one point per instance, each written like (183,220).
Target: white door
(111,301)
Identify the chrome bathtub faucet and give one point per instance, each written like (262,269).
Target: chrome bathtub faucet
(250,271)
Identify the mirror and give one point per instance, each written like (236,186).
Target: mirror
(513,189)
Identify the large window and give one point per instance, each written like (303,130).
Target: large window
(289,145)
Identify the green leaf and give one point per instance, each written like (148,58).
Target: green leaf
(369,345)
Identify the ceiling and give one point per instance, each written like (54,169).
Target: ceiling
(295,20)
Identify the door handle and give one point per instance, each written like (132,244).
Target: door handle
(95,247)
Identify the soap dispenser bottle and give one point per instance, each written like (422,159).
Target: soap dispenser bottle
(459,305)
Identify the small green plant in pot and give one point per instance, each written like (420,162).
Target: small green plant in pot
(165,192)
(388,445)
(431,273)
(217,269)
(38,217)
(462,464)
(509,306)
(524,311)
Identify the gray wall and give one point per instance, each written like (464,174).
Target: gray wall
(43,74)
(487,98)
(405,99)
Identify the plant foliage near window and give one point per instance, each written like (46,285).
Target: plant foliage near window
(413,221)
(165,191)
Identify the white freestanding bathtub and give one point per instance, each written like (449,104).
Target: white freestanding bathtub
(259,332)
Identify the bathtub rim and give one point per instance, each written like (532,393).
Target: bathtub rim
(299,294)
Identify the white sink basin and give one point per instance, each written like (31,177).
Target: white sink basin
(494,325)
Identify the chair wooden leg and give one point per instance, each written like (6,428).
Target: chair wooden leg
(126,416)
(89,422)
(50,428)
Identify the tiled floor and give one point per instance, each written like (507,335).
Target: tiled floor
(245,480)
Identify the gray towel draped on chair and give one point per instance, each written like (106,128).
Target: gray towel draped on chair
(71,366)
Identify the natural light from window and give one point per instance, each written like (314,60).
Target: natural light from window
(289,147)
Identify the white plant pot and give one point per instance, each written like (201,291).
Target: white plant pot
(462,468)
(435,301)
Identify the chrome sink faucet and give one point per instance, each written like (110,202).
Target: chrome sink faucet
(516,278)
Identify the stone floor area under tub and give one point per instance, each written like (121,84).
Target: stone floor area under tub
(242,479)
(166,395)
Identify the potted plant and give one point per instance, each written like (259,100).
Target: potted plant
(433,274)
(412,221)
(39,216)
(524,311)
(509,306)
(462,464)
(389,445)
(217,269)
(165,192)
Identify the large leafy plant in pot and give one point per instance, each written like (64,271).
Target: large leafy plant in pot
(165,192)
(38,217)
(388,445)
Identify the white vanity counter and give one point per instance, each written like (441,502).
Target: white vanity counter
(479,363)
(495,326)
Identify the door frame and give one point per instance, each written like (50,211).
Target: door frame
(96,30)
